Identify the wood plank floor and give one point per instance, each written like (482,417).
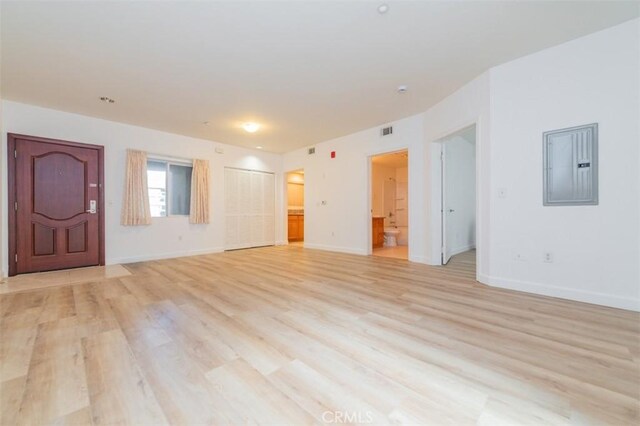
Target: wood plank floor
(286,335)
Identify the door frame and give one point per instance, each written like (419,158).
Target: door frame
(285,203)
(11,189)
(443,221)
(442,141)
(369,214)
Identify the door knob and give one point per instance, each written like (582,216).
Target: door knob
(451,210)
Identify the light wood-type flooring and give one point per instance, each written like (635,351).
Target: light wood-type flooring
(397,252)
(286,335)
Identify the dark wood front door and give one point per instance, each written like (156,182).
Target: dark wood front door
(56,188)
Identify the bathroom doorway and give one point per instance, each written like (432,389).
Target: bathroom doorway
(295,207)
(390,205)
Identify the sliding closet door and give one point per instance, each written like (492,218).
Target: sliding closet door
(250,208)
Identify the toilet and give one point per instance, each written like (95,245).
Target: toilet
(391,237)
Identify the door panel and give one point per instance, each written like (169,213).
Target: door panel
(249,209)
(54,187)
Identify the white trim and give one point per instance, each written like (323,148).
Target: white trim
(171,255)
(421,259)
(462,249)
(603,299)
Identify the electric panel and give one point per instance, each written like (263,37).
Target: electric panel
(570,175)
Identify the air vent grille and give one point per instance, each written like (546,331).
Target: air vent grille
(311,151)
(386,131)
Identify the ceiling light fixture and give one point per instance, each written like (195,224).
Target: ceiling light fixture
(206,123)
(402,89)
(107,100)
(251,127)
(258,147)
(383,8)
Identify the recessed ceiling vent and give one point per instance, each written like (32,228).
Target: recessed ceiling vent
(386,131)
(312,150)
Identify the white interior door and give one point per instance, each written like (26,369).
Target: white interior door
(249,209)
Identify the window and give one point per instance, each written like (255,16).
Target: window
(169,188)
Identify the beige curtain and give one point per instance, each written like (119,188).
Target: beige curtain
(200,192)
(135,206)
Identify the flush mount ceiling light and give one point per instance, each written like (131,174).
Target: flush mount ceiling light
(206,123)
(402,88)
(251,127)
(383,8)
(258,147)
(107,100)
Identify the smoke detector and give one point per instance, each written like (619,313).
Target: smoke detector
(402,88)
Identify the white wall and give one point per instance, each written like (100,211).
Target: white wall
(343,222)
(468,106)
(379,175)
(166,237)
(595,249)
(460,193)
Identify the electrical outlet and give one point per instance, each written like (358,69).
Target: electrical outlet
(547,257)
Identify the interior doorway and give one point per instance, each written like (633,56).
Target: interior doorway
(56,214)
(390,205)
(458,201)
(295,207)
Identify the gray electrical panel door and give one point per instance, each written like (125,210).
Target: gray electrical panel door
(571,166)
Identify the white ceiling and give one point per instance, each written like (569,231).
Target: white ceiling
(308,71)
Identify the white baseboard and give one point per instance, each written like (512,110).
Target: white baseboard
(462,249)
(338,249)
(596,298)
(171,255)
(419,259)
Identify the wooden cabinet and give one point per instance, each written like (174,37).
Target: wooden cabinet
(296,227)
(377,233)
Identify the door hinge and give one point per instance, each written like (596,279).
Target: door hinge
(15,206)
(15,153)
(16,258)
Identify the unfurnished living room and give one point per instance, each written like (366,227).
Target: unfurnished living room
(320,212)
